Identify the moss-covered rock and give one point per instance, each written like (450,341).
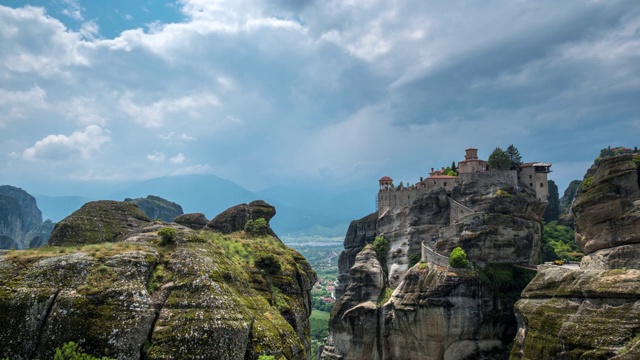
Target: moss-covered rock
(98,222)
(156,207)
(200,298)
(235,218)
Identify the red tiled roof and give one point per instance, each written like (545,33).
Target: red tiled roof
(386,178)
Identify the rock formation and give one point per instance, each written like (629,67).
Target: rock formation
(98,222)
(195,221)
(135,298)
(234,218)
(552,211)
(431,311)
(592,311)
(19,215)
(156,207)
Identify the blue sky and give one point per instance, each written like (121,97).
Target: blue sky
(327,93)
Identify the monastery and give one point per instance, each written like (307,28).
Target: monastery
(532,175)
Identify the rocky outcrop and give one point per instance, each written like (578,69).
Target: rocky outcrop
(98,222)
(432,314)
(354,321)
(360,233)
(156,207)
(19,214)
(32,216)
(234,218)
(407,228)
(552,212)
(591,312)
(436,313)
(568,196)
(195,221)
(607,212)
(136,299)
(39,235)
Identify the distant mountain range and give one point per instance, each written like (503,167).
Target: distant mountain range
(308,211)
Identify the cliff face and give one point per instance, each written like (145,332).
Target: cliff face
(19,214)
(202,297)
(360,233)
(156,207)
(592,311)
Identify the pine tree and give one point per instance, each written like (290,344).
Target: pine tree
(514,157)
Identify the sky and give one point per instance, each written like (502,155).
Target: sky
(331,93)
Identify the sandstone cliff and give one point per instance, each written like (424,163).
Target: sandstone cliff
(156,207)
(592,311)
(202,297)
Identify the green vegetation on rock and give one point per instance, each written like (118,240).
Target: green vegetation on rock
(558,242)
(505,280)
(73,351)
(167,236)
(257,228)
(458,258)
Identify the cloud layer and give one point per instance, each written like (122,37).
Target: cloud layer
(334,93)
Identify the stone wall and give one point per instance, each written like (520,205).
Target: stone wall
(433,257)
(458,211)
(398,197)
(490,178)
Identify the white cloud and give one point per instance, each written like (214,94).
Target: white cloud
(200,169)
(178,159)
(73,10)
(17,104)
(177,138)
(42,45)
(153,115)
(84,143)
(83,110)
(156,157)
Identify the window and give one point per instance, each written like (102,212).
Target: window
(529,176)
(531,184)
(541,184)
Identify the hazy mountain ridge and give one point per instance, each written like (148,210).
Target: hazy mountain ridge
(301,210)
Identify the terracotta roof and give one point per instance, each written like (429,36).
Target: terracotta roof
(386,178)
(442,177)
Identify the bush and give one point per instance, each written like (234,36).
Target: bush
(266,357)
(587,182)
(257,228)
(382,247)
(269,263)
(458,258)
(414,259)
(73,351)
(167,235)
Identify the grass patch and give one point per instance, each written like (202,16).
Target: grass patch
(98,251)
(385,296)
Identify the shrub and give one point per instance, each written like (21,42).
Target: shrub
(269,263)
(266,357)
(167,235)
(458,258)
(382,247)
(587,182)
(73,351)
(636,159)
(414,259)
(257,228)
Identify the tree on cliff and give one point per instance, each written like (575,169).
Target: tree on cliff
(499,160)
(514,157)
(458,258)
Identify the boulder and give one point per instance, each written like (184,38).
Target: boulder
(195,221)
(98,222)
(234,218)
(156,207)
